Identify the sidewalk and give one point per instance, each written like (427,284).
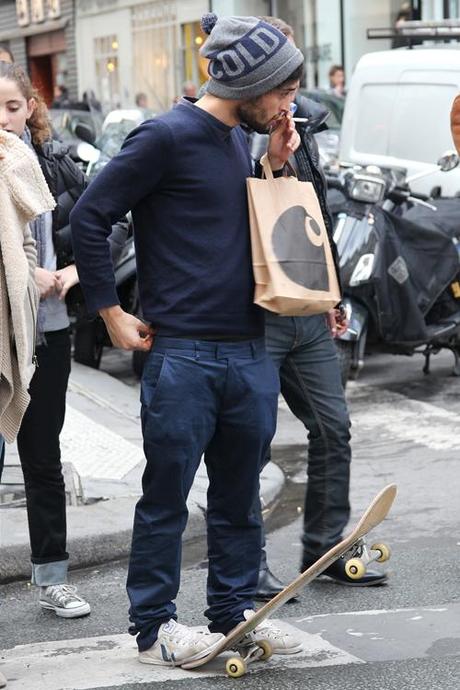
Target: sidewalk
(102,454)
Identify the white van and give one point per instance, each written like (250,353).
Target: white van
(397,112)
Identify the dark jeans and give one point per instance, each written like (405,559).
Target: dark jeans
(40,455)
(303,350)
(201,397)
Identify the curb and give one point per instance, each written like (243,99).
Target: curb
(101,532)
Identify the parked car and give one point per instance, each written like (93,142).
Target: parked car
(397,113)
(329,139)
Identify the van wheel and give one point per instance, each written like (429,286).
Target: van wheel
(87,345)
(344,355)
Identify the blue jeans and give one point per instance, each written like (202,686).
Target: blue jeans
(199,397)
(304,353)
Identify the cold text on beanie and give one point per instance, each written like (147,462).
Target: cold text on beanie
(247,56)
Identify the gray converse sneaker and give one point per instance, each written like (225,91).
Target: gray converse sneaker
(281,641)
(64,601)
(176,644)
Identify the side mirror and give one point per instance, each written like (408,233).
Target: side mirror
(448,161)
(85,133)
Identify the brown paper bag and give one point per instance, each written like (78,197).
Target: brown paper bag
(292,260)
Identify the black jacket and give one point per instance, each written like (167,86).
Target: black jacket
(308,161)
(67,183)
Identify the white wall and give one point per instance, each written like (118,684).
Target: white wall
(111,23)
(328,33)
(242,8)
(360,15)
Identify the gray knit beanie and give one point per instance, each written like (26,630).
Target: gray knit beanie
(247,56)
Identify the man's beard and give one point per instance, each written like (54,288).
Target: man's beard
(248,115)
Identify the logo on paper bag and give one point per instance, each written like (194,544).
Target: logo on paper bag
(298,246)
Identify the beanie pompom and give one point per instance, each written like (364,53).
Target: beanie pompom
(208,22)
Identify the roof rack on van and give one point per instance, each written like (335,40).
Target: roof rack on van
(443,30)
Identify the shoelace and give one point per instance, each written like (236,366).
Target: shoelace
(182,635)
(62,594)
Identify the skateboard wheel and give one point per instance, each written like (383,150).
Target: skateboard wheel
(355,568)
(385,552)
(266,648)
(235,667)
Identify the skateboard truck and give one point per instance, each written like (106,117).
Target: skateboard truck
(237,666)
(359,557)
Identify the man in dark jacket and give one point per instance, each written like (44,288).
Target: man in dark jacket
(208,385)
(303,351)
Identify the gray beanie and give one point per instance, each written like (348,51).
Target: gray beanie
(247,56)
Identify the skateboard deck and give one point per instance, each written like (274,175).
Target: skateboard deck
(352,546)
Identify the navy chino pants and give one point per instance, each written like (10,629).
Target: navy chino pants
(199,397)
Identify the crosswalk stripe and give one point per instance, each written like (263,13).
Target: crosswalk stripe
(405,419)
(111,661)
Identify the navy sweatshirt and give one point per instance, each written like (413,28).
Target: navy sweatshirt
(183,176)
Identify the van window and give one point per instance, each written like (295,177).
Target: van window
(420,127)
(376,105)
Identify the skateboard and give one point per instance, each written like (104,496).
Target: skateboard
(352,549)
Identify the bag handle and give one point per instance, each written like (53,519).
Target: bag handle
(267,170)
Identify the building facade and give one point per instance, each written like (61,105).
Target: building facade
(130,46)
(118,48)
(41,36)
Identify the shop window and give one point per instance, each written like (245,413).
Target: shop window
(156,52)
(107,70)
(194,66)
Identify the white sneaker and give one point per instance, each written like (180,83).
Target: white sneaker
(64,601)
(2,680)
(281,641)
(176,644)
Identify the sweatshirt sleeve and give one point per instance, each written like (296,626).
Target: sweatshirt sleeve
(119,187)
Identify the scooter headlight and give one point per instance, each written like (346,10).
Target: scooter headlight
(370,190)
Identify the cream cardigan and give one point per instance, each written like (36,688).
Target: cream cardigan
(24,195)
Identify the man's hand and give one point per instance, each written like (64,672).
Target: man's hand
(67,278)
(47,282)
(127,331)
(284,140)
(337,322)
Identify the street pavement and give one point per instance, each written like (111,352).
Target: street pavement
(402,636)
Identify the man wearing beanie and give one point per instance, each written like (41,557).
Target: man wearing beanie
(208,386)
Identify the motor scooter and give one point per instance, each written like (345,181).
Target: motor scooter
(90,334)
(400,267)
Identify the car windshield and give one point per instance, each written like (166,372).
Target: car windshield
(334,104)
(113,136)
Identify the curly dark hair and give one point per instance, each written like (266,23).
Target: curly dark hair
(38,122)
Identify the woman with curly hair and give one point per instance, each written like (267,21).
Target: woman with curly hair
(24,195)
(24,113)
